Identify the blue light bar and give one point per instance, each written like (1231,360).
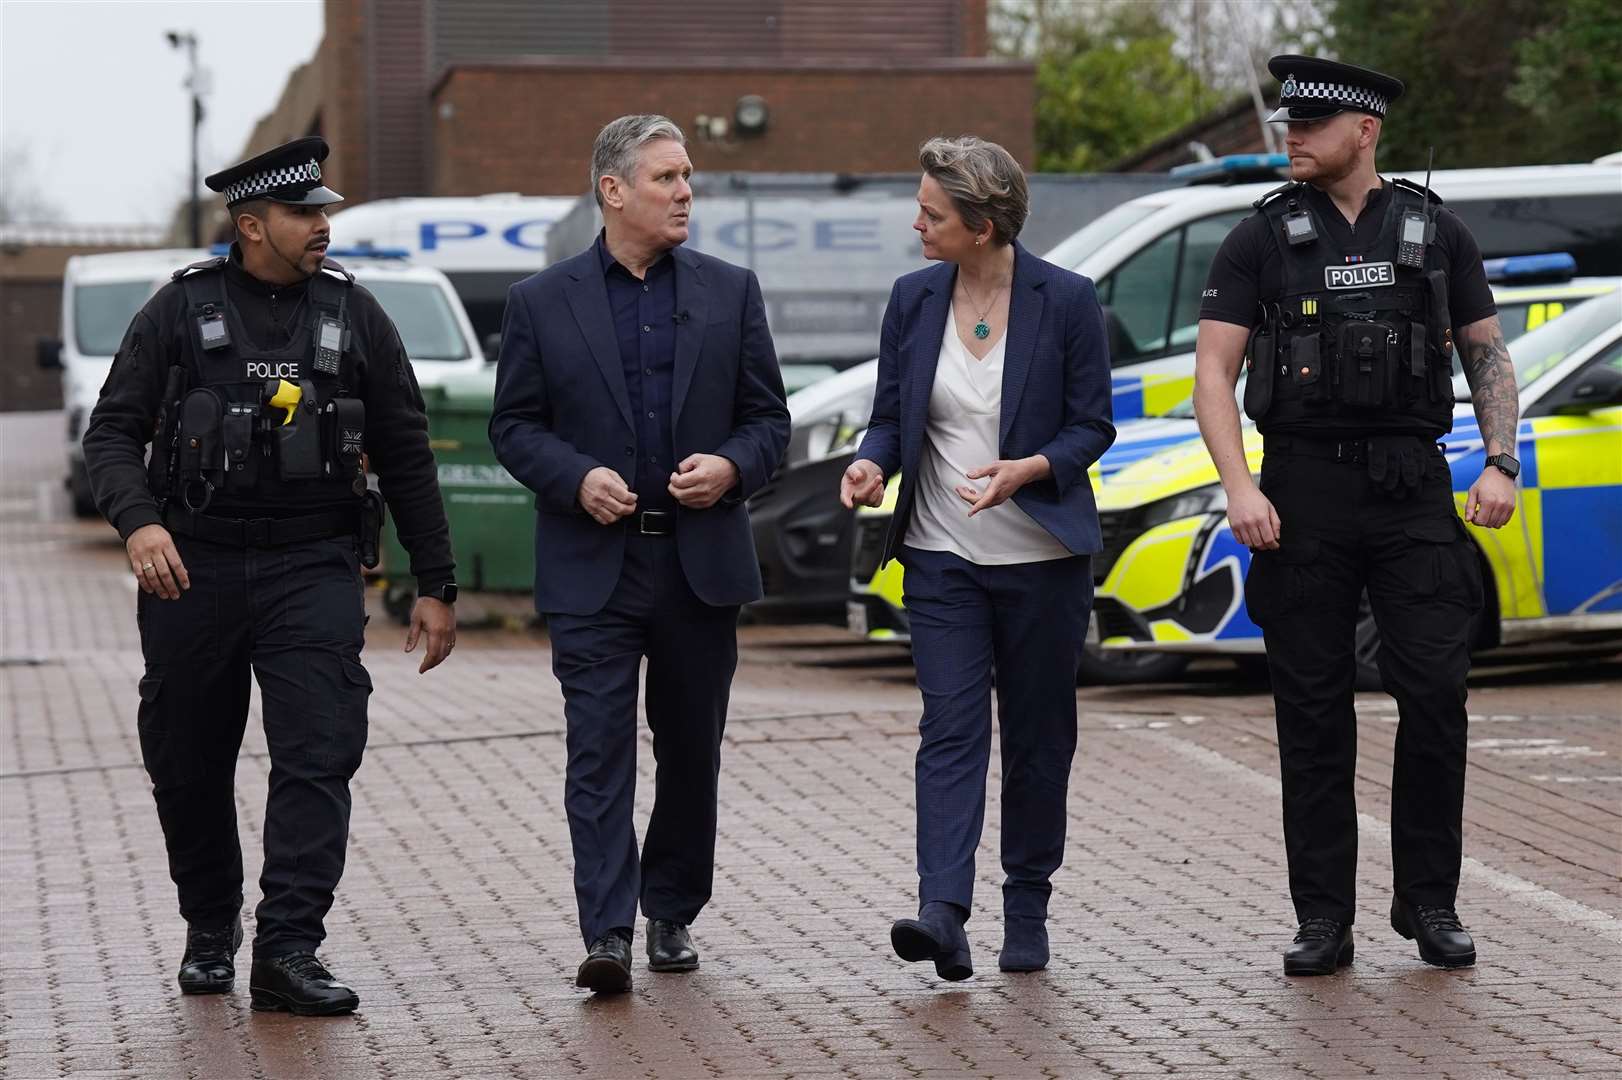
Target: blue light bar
(1231,167)
(339,253)
(1550,266)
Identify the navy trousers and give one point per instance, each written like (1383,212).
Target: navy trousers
(692,651)
(293,616)
(1025,623)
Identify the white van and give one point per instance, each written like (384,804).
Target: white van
(102,293)
(1150,256)
(483,243)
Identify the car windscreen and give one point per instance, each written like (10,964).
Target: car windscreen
(102,313)
(427,326)
(1071,252)
(1536,351)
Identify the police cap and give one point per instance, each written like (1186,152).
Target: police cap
(1314,89)
(289,173)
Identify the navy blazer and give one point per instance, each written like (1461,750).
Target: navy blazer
(1055,391)
(561,410)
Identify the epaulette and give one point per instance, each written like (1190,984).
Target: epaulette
(202,264)
(332,266)
(1418,189)
(1275,193)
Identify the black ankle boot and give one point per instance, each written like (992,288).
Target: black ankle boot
(300,984)
(1441,938)
(936,934)
(1322,947)
(209,965)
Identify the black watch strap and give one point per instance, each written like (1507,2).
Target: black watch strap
(1505,464)
(445,593)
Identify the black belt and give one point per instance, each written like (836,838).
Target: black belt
(1345,451)
(262,532)
(652,523)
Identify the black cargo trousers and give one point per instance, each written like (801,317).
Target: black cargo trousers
(293,616)
(1349,523)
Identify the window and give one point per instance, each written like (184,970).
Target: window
(427,328)
(1154,297)
(102,313)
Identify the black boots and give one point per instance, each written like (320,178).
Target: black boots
(607,966)
(209,965)
(1442,940)
(936,934)
(1322,947)
(300,984)
(670,947)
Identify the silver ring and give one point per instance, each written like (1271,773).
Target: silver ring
(148,566)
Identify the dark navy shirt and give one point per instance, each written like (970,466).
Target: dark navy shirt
(645,323)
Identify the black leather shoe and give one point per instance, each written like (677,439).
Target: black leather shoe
(300,984)
(1322,947)
(670,947)
(607,966)
(1024,944)
(936,934)
(1442,939)
(210,963)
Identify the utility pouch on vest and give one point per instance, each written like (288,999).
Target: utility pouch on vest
(1441,338)
(346,439)
(236,438)
(1366,353)
(299,442)
(1306,370)
(201,458)
(1260,366)
(1396,466)
(371,529)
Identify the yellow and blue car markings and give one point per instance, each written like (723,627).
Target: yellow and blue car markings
(1153,394)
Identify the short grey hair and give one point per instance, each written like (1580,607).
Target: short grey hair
(984,182)
(620,143)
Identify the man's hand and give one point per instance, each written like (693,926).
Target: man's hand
(1491,502)
(862,484)
(156,563)
(1006,478)
(1253,520)
(437,620)
(701,479)
(604,496)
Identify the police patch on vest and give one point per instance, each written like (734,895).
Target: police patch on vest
(277,369)
(1359,275)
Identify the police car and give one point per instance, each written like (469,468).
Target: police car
(1173,575)
(102,293)
(1141,457)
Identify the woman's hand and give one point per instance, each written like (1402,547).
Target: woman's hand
(862,484)
(1006,478)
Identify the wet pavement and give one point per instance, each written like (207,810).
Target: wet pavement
(456,923)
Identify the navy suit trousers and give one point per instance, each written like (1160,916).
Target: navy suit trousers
(692,651)
(1025,623)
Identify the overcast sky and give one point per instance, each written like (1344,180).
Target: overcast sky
(93,102)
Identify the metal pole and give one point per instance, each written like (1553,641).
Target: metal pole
(1269,136)
(196,123)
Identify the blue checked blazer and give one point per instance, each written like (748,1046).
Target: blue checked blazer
(1055,391)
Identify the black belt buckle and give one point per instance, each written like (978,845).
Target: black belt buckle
(1351,451)
(655,523)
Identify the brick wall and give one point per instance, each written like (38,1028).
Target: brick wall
(527,126)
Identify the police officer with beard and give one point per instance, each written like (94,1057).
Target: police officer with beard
(259,379)
(1344,297)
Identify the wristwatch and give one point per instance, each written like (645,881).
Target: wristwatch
(445,593)
(1505,464)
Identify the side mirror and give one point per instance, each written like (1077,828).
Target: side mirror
(492,347)
(48,354)
(1599,388)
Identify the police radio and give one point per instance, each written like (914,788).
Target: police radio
(329,345)
(1417,229)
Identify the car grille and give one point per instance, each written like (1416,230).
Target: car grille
(867,554)
(1114,620)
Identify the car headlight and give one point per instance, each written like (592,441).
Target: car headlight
(1206,500)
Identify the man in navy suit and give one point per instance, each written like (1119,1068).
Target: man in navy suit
(638,395)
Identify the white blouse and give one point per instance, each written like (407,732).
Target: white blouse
(965,414)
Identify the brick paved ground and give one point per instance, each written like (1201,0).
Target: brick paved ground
(456,919)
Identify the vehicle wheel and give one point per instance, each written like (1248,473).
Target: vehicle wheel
(1366,648)
(398,601)
(84,500)
(1117,667)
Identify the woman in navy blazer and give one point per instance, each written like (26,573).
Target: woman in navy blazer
(993,400)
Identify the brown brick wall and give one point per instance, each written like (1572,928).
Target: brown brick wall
(528,126)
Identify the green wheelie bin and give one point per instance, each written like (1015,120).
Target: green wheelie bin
(492,516)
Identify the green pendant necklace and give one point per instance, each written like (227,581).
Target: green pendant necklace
(982,329)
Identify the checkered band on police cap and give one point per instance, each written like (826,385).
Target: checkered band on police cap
(257,184)
(1344,95)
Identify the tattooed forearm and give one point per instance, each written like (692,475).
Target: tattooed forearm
(1491,375)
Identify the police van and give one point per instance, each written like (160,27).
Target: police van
(102,293)
(482,243)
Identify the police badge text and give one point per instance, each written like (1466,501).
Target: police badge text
(285,369)
(1359,275)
